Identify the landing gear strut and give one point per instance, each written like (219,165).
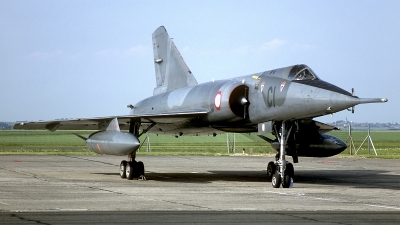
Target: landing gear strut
(281,171)
(130,168)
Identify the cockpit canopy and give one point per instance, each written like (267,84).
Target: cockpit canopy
(302,72)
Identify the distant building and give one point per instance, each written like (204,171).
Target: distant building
(363,126)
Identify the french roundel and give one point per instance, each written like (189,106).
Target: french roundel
(217,100)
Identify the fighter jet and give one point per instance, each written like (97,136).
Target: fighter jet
(281,101)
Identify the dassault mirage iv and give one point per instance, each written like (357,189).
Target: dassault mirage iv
(282,102)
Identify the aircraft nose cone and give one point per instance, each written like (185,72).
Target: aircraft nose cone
(345,101)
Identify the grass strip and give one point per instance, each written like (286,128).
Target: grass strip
(38,142)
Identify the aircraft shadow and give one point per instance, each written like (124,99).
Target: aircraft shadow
(348,178)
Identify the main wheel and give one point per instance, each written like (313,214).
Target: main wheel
(140,168)
(130,169)
(270,170)
(276,180)
(122,169)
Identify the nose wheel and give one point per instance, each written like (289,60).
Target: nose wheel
(271,169)
(276,180)
(288,176)
(273,173)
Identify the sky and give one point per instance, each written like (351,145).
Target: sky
(81,59)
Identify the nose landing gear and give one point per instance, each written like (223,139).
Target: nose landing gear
(274,173)
(281,172)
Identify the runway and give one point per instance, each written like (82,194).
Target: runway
(50,187)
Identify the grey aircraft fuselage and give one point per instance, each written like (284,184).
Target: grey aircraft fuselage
(274,95)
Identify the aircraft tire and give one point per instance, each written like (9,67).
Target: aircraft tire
(276,180)
(122,169)
(140,168)
(271,168)
(289,169)
(130,168)
(286,181)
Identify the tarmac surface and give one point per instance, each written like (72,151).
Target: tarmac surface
(196,189)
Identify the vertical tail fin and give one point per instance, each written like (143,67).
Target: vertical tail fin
(171,71)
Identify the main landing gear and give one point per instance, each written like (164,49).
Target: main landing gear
(281,171)
(131,169)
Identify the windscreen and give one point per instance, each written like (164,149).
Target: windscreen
(302,72)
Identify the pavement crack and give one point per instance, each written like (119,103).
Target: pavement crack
(90,160)
(20,217)
(160,200)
